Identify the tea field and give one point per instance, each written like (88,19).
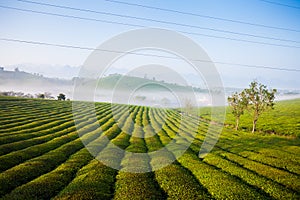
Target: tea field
(42,156)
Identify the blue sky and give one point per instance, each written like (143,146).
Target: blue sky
(36,27)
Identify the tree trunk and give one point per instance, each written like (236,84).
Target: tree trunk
(254,125)
(237,123)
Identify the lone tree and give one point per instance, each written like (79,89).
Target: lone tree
(259,100)
(188,106)
(238,103)
(40,96)
(61,97)
(48,95)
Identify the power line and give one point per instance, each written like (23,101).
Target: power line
(146,54)
(280,4)
(202,16)
(70,16)
(140,26)
(157,21)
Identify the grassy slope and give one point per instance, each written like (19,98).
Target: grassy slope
(284,119)
(242,165)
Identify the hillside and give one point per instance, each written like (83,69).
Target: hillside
(42,157)
(21,77)
(20,81)
(130,83)
(108,82)
(284,119)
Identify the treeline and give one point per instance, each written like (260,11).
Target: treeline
(46,95)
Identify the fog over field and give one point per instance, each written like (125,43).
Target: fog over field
(157,88)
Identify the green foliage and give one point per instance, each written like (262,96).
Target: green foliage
(238,103)
(61,97)
(29,170)
(9,160)
(42,157)
(259,100)
(49,184)
(282,120)
(175,180)
(93,181)
(273,189)
(137,185)
(280,176)
(41,96)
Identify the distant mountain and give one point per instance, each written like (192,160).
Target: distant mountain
(276,79)
(109,82)
(20,81)
(123,82)
(22,77)
(47,70)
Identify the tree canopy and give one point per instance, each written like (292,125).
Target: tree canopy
(61,97)
(260,99)
(256,99)
(238,103)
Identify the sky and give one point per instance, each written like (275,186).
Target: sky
(29,26)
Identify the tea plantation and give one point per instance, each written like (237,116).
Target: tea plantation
(42,156)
